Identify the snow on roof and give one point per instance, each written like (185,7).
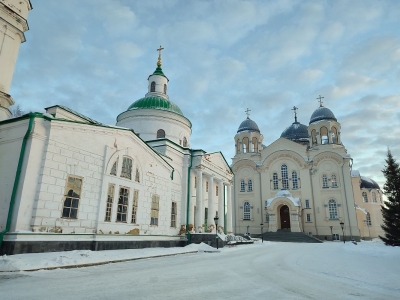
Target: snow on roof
(362,209)
(283,194)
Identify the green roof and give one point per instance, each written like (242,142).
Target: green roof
(159,71)
(155,102)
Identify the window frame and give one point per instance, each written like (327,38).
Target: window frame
(325,184)
(153,86)
(123,204)
(126,169)
(155,210)
(334,183)
(72,198)
(249,185)
(160,134)
(295,180)
(275,181)
(174,212)
(135,202)
(246,211)
(365,199)
(285,177)
(109,203)
(333,210)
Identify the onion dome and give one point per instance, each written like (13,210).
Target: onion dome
(368,183)
(248,125)
(155,102)
(322,114)
(296,132)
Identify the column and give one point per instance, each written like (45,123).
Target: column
(199,202)
(211,211)
(229,228)
(220,204)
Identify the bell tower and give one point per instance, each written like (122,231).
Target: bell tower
(13,24)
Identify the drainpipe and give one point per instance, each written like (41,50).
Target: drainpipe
(313,201)
(345,197)
(188,197)
(236,229)
(17,177)
(224,211)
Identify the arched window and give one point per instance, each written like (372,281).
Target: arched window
(246,211)
(373,197)
(245,145)
(335,137)
(153,86)
(184,142)
(160,133)
(242,186)
(165,89)
(250,186)
(314,138)
(333,181)
(114,168)
(324,135)
(324,181)
(368,220)
(237,147)
(332,209)
(254,144)
(285,179)
(126,171)
(365,197)
(295,182)
(275,180)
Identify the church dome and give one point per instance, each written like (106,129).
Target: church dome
(296,132)
(368,183)
(322,114)
(248,125)
(155,102)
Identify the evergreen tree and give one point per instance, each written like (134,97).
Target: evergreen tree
(391,209)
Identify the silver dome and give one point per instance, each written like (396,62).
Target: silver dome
(322,114)
(248,125)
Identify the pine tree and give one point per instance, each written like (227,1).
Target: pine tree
(391,209)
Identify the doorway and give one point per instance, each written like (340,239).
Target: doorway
(285,217)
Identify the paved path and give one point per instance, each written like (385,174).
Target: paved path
(271,271)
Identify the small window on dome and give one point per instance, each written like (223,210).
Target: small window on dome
(153,86)
(184,142)
(160,134)
(165,89)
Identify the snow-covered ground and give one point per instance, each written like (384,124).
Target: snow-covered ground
(270,270)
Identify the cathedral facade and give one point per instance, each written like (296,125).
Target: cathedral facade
(302,182)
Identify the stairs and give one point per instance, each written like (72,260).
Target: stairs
(288,236)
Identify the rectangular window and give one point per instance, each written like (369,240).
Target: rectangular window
(126,171)
(242,186)
(206,186)
(216,191)
(307,203)
(308,217)
(324,181)
(72,195)
(122,209)
(275,181)
(110,200)
(154,210)
(134,206)
(173,214)
(250,186)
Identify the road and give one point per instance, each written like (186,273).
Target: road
(263,271)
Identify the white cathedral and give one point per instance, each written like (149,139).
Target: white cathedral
(70,182)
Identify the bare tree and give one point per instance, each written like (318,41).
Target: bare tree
(16,112)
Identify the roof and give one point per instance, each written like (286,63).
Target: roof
(90,120)
(156,102)
(296,132)
(248,125)
(322,114)
(159,71)
(283,194)
(368,183)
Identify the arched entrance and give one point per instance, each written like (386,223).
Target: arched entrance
(285,217)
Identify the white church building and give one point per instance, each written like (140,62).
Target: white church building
(70,182)
(303,182)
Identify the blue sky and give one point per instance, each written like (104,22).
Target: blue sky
(222,57)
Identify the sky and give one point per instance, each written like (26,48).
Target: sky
(223,57)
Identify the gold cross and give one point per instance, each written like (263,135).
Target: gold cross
(320,100)
(248,112)
(159,56)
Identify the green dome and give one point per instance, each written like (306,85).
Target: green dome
(154,102)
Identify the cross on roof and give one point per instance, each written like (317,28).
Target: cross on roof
(248,112)
(320,100)
(159,56)
(295,113)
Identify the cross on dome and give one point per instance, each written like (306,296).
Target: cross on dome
(320,100)
(159,56)
(247,111)
(295,113)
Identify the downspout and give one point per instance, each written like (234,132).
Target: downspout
(312,195)
(236,229)
(188,197)
(345,197)
(17,177)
